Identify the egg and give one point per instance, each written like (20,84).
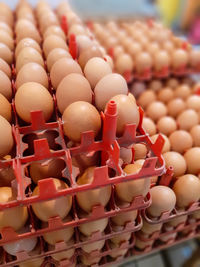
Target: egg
(24,28)
(6,176)
(26,55)
(91,227)
(86,54)
(146,97)
(114,252)
(5,68)
(169,237)
(6,14)
(177,221)
(194,58)
(83,42)
(152,110)
(90,247)
(192,159)
(5,53)
(53,41)
(143,62)
(168,46)
(54,30)
(27,42)
(122,218)
(126,155)
(73,113)
(4,26)
(38,75)
(47,20)
(5,86)
(149,126)
(95,69)
(187,190)
(13,217)
(87,200)
(161,60)
(55,55)
(41,170)
(33,96)
(153,48)
(195,133)
(76,29)
(6,39)
(26,13)
(175,107)
(127,112)
(187,119)
(66,254)
(180,58)
(180,141)
(134,49)
(5,108)
(89,260)
(32,263)
(124,63)
(27,244)
(163,200)
(128,190)
(172,83)
(166,146)
(109,60)
(61,68)
(120,238)
(165,95)
(196,214)
(177,161)
(139,244)
(109,86)
(149,229)
(140,151)
(155,85)
(193,102)
(182,91)
(166,125)
(117,51)
(56,207)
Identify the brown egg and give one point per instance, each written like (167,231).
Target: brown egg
(5,85)
(187,190)
(149,126)
(196,215)
(46,169)
(117,51)
(87,200)
(24,28)
(5,68)
(32,263)
(140,151)
(56,207)
(175,107)
(128,190)
(195,133)
(27,42)
(33,96)
(187,119)
(165,95)
(26,13)
(153,108)
(180,141)
(167,144)
(54,30)
(5,108)
(124,63)
(14,217)
(122,218)
(61,68)
(180,58)
(91,121)
(55,55)
(47,20)
(6,141)
(88,260)
(126,155)
(192,160)
(6,39)
(172,83)
(155,85)
(86,54)
(182,91)
(143,61)
(168,46)
(53,41)
(4,26)
(176,221)
(6,14)
(67,254)
(134,49)
(116,253)
(139,244)
(153,48)
(161,60)
(150,228)
(38,75)
(5,53)
(166,125)
(194,56)
(118,239)
(76,29)
(74,87)
(193,102)
(109,86)
(163,200)
(95,69)
(177,161)
(83,42)
(94,246)
(26,55)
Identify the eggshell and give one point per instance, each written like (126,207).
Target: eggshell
(140,151)
(76,29)
(143,61)
(24,28)
(152,110)
(95,69)
(182,91)
(5,53)
(118,239)
(6,39)
(87,200)
(6,176)
(115,253)
(139,244)
(55,207)
(47,20)
(54,30)
(180,141)
(128,190)
(146,97)
(15,217)
(167,144)
(67,254)
(6,141)
(195,133)
(32,263)
(109,86)
(83,42)
(74,87)
(175,107)
(153,48)
(91,120)
(5,86)
(166,125)
(5,108)
(180,58)
(27,42)
(150,228)
(55,55)
(62,68)
(126,155)
(176,221)
(172,83)
(161,60)
(124,63)
(94,246)
(4,26)
(26,55)
(86,54)
(155,85)
(53,41)
(38,75)
(122,218)
(192,159)
(33,96)
(5,68)
(187,119)
(187,190)
(165,95)
(88,260)
(193,102)
(177,161)
(149,126)
(163,200)
(134,49)
(127,112)
(194,56)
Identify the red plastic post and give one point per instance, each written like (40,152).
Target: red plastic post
(64,24)
(73,49)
